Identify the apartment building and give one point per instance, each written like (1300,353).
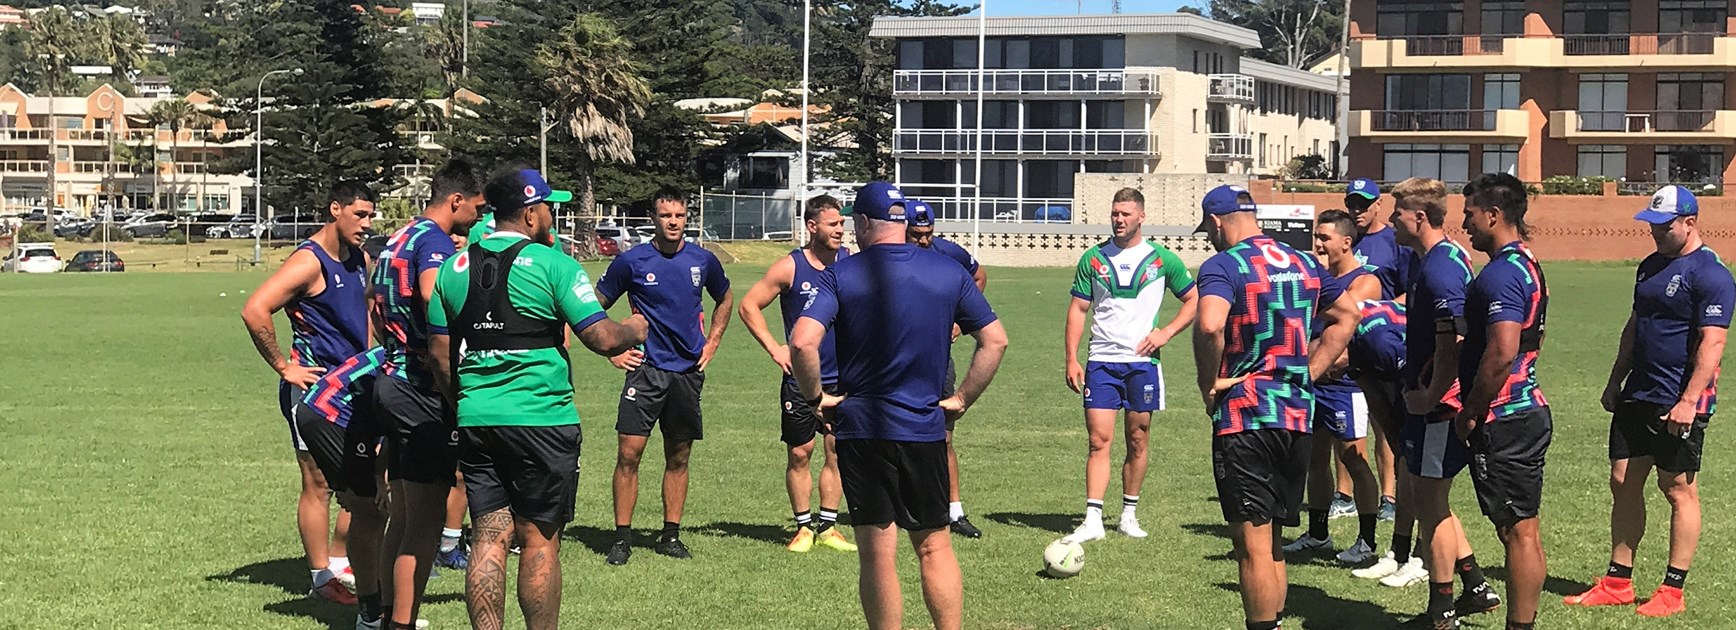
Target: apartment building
(1161,93)
(90,136)
(1638,90)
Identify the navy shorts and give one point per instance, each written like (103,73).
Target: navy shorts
(1431,447)
(288,397)
(1341,412)
(1136,387)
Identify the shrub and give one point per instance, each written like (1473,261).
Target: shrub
(1570,185)
(176,236)
(33,233)
(1307,167)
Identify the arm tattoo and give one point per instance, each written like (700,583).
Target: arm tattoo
(265,341)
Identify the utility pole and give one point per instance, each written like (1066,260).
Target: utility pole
(1342,137)
(464,69)
(543,127)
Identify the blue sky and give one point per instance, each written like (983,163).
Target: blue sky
(1069,7)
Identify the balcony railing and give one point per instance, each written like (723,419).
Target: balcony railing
(1433,120)
(1232,87)
(23,166)
(1640,44)
(1016,82)
(189,168)
(1064,141)
(1001,209)
(1643,122)
(99,167)
(414,170)
(23,134)
(1229,146)
(1453,45)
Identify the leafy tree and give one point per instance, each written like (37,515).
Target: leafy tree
(178,114)
(1309,166)
(598,94)
(1292,32)
(119,43)
(444,44)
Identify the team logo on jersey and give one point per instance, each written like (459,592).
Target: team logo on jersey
(1151,272)
(1276,257)
(362,448)
(584,292)
(1675,285)
(338,280)
(650,279)
(1714,310)
(1148,393)
(1361,258)
(631,392)
(461,264)
(694,271)
(1103,271)
(1494,308)
(807,286)
(789,406)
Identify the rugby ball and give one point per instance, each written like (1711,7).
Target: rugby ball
(1063,559)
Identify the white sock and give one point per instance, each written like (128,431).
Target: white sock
(1093,512)
(1129,505)
(449,539)
(337,564)
(957,509)
(320,576)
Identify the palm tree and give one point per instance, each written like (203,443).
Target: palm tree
(119,42)
(445,44)
(598,92)
(176,113)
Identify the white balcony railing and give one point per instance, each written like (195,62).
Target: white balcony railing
(1229,146)
(1122,142)
(1000,209)
(23,166)
(1231,87)
(23,134)
(1021,82)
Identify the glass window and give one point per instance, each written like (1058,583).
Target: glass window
(1018,54)
(1449,163)
(1050,178)
(1602,101)
(1688,163)
(1114,52)
(1602,160)
(1412,17)
(1052,115)
(1500,91)
(1046,52)
(1500,158)
(765,172)
(964,53)
(1000,177)
(1692,16)
(1505,17)
(937,54)
(1690,91)
(1428,92)
(1595,17)
(910,54)
(1105,114)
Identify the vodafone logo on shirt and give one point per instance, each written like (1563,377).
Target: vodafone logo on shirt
(1277,257)
(461,263)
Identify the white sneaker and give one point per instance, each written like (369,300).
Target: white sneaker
(1383,567)
(1129,525)
(421,624)
(1308,543)
(1357,555)
(1411,573)
(1087,532)
(346,577)
(364,625)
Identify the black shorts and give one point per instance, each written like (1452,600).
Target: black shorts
(288,399)
(347,455)
(533,471)
(949,388)
(1507,464)
(1637,430)
(651,397)
(800,423)
(422,434)
(1260,475)
(895,482)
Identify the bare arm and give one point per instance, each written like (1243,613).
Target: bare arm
(609,338)
(1341,319)
(440,352)
(805,341)
(752,307)
(1706,359)
(991,347)
(981,278)
(1159,337)
(1492,373)
(1624,364)
(292,280)
(720,313)
(1446,366)
(1209,345)
(1071,332)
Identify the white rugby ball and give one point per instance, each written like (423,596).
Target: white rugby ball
(1063,559)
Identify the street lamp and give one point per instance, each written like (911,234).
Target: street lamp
(259,156)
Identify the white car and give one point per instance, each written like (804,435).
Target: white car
(624,239)
(32,258)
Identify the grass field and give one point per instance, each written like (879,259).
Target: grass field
(146,482)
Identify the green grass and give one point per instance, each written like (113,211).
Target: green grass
(145,482)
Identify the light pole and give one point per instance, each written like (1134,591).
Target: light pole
(807,178)
(976,236)
(259,156)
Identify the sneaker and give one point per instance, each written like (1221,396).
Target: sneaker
(421,624)
(834,539)
(1432,623)
(1086,532)
(1606,592)
(456,558)
(1129,525)
(1341,508)
(1665,601)
(673,548)
(1388,509)
(964,528)
(363,624)
(1308,543)
(1357,555)
(1411,573)
(1383,567)
(1476,602)
(333,591)
(803,541)
(347,577)
(619,553)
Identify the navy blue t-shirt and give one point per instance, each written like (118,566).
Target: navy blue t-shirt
(1510,288)
(1436,295)
(1674,297)
(1392,262)
(666,289)
(956,252)
(893,308)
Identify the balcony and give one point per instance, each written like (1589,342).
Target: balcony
(1001,209)
(1436,125)
(1024,83)
(1660,51)
(1031,142)
(24,135)
(1229,146)
(24,166)
(1640,44)
(1644,127)
(1231,87)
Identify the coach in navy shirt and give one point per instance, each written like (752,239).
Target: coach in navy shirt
(664,282)
(893,307)
(1377,244)
(1662,392)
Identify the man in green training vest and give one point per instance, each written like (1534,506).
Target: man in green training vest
(497,325)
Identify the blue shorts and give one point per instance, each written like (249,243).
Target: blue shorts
(1431,448)
(1136,387)
(1341,412)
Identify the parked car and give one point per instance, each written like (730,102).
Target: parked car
(292,227)
(96,260)
(607,246)
(32,258)
(238,226)
(782,235)
(151,225)
(623,238)
(74,227)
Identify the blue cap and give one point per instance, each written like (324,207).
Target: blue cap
(522,188)
(1667,204)
(880,201)
(1365,188)
(1224,200)
(918,214)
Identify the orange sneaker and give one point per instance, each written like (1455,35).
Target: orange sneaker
(1665,601)
(1606,592)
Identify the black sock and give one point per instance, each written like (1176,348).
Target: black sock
(386,615)
(1675,578)
(1440,600)
(1365,528)
(1401,547)
(1317,524)
(804,519)
(1265,625)
(1521,625)
(671,530)
(624,533)
(368,606)
(1470,573)
(1620,571)
(1340,497)
(828,518)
